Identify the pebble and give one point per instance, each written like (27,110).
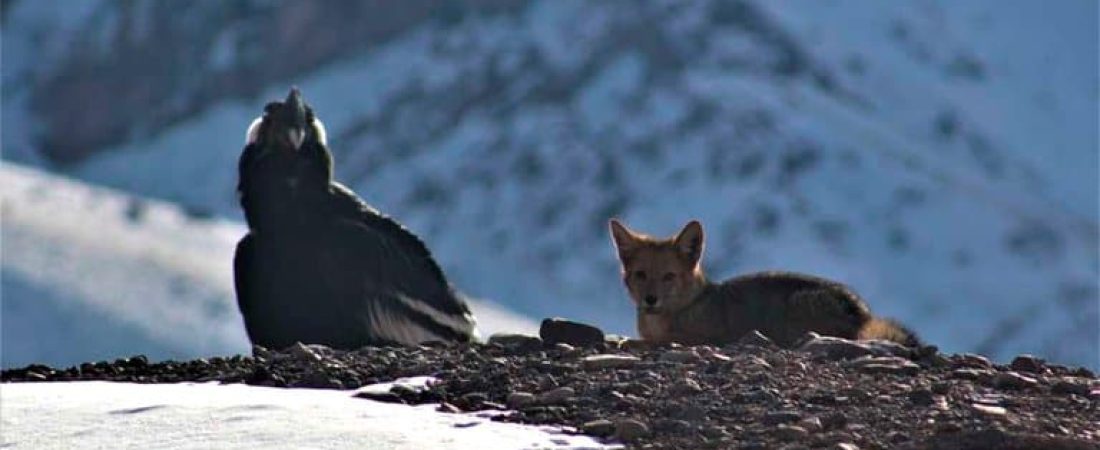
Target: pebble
(758,362)
(981,375)
(630,429)
(609,361)
(989,409)
(790,433)
(555,396)
(811,424)
(598,427)
(779,417)
(884,364)
(971,360)
(680,356)
(517,400)
(445,407)
(845,446)
(304,353)
(1013,380)
(685,387)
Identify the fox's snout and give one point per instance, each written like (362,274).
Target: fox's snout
(651,300)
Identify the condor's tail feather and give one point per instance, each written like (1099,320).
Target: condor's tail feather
(889,330)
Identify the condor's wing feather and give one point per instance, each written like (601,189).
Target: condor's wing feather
(242,260)
(405,296)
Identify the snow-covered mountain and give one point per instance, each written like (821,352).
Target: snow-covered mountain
(939,157)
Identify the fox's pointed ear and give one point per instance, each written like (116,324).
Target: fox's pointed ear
(625,240)
(690,242)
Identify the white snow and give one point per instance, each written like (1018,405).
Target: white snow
(209,415)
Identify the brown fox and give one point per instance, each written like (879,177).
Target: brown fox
(676,303)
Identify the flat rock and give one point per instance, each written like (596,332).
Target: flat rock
(884,364)
(598,427)
(555,330)
(834,348)
(609,361)
(971,360)
(1013,380)
(517,400)
(516,342)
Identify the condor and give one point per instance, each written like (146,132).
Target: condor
(320,266)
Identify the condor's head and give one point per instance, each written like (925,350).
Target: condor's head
(285,150)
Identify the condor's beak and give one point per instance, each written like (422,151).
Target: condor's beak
(296,134)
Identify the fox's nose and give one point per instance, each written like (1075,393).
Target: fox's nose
(650,300)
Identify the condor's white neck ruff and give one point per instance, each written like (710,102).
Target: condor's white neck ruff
(253,132)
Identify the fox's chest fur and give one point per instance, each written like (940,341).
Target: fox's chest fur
(702,322)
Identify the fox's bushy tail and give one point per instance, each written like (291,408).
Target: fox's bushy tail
(889,330)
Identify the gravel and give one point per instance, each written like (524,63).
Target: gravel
(751,394)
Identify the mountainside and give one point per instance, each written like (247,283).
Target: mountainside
(940,158)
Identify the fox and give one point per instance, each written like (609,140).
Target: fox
(675,302)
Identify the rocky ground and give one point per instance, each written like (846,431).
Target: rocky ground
(828,393)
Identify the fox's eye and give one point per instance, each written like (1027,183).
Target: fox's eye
(639,274)
(669,276)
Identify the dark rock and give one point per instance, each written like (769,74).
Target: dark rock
(778,417)
(557,330)
(636,345)
(1028,363)
(1070,387)
(921,397)
(381,396)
